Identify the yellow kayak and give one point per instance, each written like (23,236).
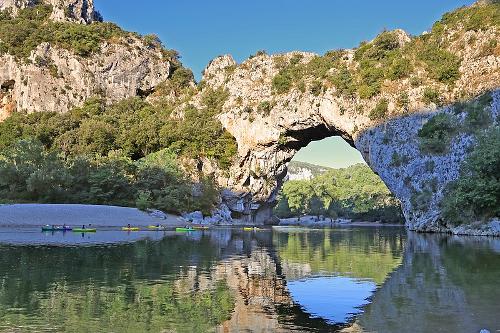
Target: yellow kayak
(155,227)
(201,227)
(250,229)
(130,229)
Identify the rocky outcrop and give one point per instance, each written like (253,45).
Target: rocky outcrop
(270,126)
(80,11)
(55,79)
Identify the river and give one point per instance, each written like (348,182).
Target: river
(357,279)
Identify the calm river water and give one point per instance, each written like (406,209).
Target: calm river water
(229,280)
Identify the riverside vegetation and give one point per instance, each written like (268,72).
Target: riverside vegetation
(126,154)
(355,192)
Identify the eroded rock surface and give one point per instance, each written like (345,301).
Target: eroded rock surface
(271,127)
(81,11)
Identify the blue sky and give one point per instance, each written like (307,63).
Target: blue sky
(201,30)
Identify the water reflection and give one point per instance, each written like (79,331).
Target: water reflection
(225,280)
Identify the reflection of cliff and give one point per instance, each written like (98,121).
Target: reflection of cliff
(444,282)
(232,281)
(180,284)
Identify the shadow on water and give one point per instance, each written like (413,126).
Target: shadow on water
(227,280)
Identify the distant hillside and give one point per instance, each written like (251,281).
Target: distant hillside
(304,171)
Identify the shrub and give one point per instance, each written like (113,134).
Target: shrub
(143,200)
(282,82)
(436,134)
(398,160)
(152,40)
(372,78)
(344,82)
(380,110)
(421,200)
(265,108)
(475,194)
(403,101)
(431,95)
(258,54)
(415,81)
(477,119)
(478,116)
(441,65)
(399,68)
(316,88)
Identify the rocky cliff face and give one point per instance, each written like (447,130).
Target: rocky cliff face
(81,11)
(119,71)
(270,126)
(53,78)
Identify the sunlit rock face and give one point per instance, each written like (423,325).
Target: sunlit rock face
(119,71)
(57,79)
(81,11)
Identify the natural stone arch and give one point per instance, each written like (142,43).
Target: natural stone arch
(267,141)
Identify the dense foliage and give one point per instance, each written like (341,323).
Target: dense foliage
(355,192)
(475,195)
(132,126)
(30,172)
(21,34)
(436,134)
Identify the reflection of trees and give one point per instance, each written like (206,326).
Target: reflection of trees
(364,253)
(143,308)
(93,289)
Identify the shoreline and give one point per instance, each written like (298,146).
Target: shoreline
(33,214)
(36,214)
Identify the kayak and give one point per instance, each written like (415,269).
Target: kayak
(154,227)
(84,230)
(131,229)
(56,228)
(251,229)
(201,227)
(183,229)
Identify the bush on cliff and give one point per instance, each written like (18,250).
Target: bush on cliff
(22,34)
(436,134)
(475,195)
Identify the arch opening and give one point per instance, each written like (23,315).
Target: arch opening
(328,180)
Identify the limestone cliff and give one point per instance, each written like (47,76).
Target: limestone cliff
(277,104)
(81,11)
(55,77)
